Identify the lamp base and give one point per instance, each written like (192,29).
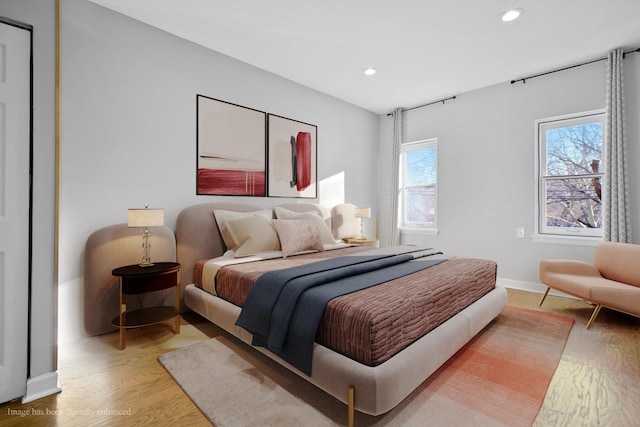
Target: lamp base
(146,249)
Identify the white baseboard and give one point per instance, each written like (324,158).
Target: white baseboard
(41,386)
(538,288)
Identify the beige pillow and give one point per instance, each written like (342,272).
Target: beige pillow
(223,217)
(314,217)
(253,234)
(297,235)
(284,213)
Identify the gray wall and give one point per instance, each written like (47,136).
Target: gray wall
(129,130)
(486,178)
(41,15)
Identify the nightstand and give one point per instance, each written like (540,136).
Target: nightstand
(137,280)
(374,243)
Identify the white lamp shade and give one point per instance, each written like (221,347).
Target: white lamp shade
(146,217)
(362,213)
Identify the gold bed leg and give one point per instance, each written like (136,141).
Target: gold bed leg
(351,408)
(544,296)
(593,316)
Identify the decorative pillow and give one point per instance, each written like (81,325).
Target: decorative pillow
(223,217)
(284,213)
(253,234)
(297,235)
(314,217)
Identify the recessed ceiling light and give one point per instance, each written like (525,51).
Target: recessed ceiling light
(511,15)
(369,71)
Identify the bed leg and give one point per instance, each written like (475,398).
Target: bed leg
(351,407)
(593,316)
(544,296)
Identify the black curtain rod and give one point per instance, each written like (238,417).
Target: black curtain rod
(524,79)
(425,105)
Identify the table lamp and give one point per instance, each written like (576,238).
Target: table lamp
(145,218)
(362,213)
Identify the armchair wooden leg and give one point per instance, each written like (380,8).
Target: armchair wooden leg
(544,296)
(594,315)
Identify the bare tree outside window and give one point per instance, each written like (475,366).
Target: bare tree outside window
(419,178)
(571,175)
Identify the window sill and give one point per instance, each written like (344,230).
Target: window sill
(567,240)
(423,231)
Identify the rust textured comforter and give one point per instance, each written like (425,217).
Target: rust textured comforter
(373,324)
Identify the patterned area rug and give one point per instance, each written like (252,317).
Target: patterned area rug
(499,378)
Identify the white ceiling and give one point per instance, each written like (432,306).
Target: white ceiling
(424,50)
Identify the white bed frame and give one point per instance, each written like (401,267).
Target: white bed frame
(371,390)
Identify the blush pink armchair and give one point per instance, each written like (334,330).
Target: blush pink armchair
(612,281)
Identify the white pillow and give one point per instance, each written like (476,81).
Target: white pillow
(223,217)
(314,217)
(297,235)
(253,234)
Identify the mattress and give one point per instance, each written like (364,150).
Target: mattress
(372,325)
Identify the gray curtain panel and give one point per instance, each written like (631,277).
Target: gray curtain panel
(617,221)
(394,232)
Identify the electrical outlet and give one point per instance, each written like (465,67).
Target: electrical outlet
(520,232)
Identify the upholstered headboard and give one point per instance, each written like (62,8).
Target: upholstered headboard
(198,237)
(111,247)
(344,223)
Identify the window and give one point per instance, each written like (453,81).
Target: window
(570,174)
(418,178)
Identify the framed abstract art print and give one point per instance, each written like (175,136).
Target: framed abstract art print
(231,149)
(292,158)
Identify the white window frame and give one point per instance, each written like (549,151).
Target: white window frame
(544,233)
(419,228)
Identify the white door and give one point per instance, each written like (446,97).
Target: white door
(15,151)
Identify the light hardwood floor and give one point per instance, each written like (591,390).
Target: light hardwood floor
(597,382)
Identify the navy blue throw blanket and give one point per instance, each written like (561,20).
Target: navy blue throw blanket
(284,307)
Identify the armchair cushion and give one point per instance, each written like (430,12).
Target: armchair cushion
(619,262)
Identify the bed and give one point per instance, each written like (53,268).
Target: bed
(372,387)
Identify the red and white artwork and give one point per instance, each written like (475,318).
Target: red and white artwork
(292,158)
(231,149)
